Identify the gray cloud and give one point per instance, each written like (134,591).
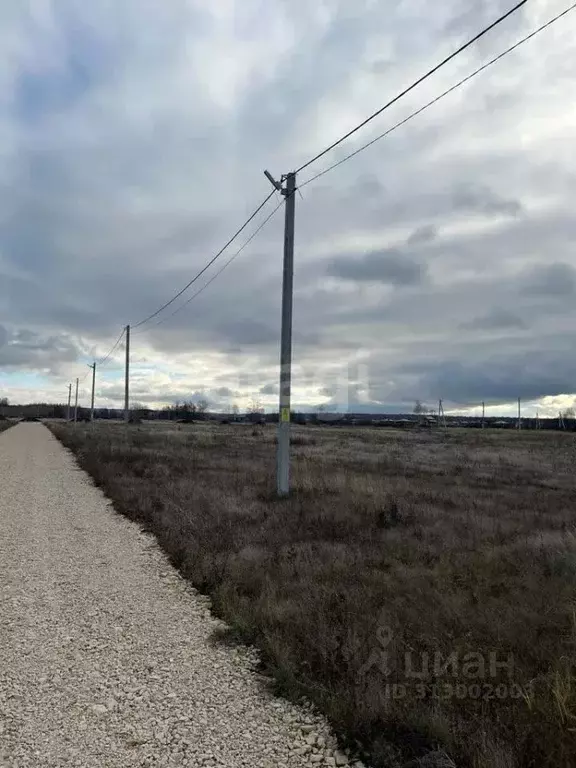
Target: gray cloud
(424,234)
(247,332)
(224,392)
(500,379)
(48,354)
(471,197)
(496,319)
(269,389)
(551,280)
(117,187)
(386,266)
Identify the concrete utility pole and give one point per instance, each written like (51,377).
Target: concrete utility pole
(283,457)
(76,404)
(69,402)
(441,414)
(93,366)
(127,380)
(483,413)
(519,416)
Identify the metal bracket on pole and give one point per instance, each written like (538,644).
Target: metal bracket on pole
(288,189)
(276,184)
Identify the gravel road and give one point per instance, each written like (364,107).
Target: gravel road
(106,657)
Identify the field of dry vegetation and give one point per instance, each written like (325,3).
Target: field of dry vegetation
(396,552)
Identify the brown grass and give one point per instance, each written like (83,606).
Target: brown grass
(408,545)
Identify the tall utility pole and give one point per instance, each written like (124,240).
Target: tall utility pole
(483,413)
(519,416)
(441,414)
(69,402)
(287,187)
(76,404)
(93,366)
(127,379)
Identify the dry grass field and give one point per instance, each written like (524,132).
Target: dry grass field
(419,587)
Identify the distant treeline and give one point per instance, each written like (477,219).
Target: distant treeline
(184,412)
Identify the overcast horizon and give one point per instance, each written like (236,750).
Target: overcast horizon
(439,263)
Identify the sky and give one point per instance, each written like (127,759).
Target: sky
(438,263)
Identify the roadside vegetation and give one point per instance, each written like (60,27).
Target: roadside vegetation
(5,423)
(419,587)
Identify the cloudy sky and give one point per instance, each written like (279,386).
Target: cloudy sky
(438,263)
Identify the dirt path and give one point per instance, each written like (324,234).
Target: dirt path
(106,656)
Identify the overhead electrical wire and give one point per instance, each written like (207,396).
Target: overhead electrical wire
(101,362)
(440,97)
(419,111)
(414,114)
(414,85)
(227,264)
(208,265)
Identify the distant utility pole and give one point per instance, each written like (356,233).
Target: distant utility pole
(561,424)
(483,413)
(127,379)
(537,420)
(76,404)
(93,366)
(287,187)
(519,415)
(69,402)
(441,414)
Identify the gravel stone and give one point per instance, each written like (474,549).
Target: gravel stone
(106,656)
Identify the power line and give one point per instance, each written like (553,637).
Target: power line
(340,162)
(415,84)
(227,264)
(208,265)
(238,252)
(109,355)
(440,97)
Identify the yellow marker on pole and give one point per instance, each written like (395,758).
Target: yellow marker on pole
(285,414)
